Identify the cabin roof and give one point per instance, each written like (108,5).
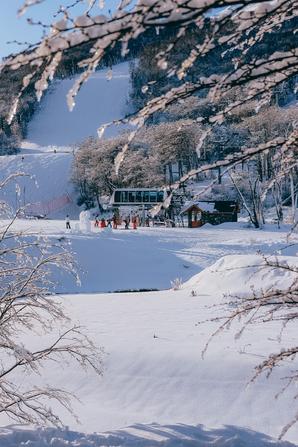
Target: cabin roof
(199,206)
(210,206)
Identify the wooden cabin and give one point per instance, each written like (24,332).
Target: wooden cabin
(213,212)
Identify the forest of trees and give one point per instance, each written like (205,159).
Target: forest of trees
(163,153)
(143,73)
(11,84)
(170,145)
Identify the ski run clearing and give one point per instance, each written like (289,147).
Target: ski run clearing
(156,389)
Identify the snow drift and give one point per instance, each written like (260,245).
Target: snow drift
(238,274)
(141,435)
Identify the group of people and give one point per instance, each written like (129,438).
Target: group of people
(115,221)
(102,223)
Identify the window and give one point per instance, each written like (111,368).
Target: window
(117,196)
(153,196)
(124,197)
(131,196)
(160,196)
(139,197)
(145,196)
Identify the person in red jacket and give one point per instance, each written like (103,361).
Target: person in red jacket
(103,223)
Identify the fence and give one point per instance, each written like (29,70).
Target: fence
(48,207)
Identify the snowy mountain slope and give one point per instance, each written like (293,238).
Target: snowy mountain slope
(47,154)
(154,371)
(99,101)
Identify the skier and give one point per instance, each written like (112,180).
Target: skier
(67,222)
(102,223)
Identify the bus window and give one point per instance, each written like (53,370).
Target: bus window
(124,197)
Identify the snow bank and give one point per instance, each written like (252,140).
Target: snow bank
(152,258)
(154,372)
(141,435)
(240,274)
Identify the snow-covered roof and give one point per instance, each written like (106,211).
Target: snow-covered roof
(206,206)
(203,206)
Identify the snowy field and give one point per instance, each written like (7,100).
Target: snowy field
(151,258)
(156,390)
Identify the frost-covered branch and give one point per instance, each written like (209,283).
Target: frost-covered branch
(27,308)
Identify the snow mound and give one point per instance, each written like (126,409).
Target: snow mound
(141,435)
(240,274)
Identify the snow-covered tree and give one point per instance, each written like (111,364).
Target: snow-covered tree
(174,145)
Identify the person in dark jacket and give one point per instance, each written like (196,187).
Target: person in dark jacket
(67,222)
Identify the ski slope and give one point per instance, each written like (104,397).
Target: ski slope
(99,101)
(47,153)
(44,180)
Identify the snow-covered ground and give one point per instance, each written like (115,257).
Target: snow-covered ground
(151,258)
(156,389)
(141,435)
